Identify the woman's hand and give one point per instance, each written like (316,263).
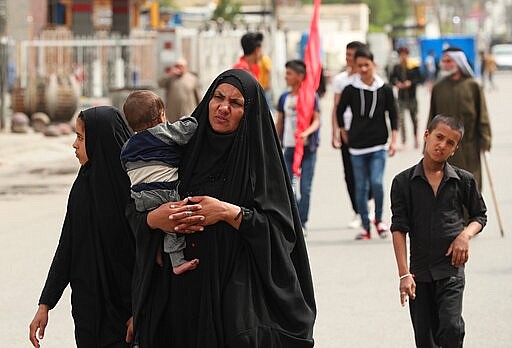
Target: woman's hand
(129,330)
(38,324)
(215,210)
(176,217)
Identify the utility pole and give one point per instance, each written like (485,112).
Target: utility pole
(3,60)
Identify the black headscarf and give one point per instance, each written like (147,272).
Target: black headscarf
(96,249)
(253,287)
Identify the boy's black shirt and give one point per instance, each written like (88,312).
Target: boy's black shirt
(433,222)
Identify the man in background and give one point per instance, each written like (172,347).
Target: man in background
(405,77)
(182,91)
(341,81)
(265,70)
(458,94)
(251,45)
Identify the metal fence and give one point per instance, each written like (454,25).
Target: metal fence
(99,64)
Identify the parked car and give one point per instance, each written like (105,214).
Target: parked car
(503,56)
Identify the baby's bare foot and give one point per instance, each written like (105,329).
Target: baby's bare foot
(187,266)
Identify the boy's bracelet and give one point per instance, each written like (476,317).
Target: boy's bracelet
(405,276)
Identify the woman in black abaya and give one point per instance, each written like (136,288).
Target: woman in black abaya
(253,286)
(96,249)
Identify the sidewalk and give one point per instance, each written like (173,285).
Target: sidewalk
(33,162)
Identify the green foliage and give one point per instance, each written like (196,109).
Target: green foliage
(227,10)
(166,3)
(382,12)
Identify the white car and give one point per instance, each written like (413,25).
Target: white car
(502,55)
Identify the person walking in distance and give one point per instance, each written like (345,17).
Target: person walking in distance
(490,68)
(370,100)
(430,66)
(405,77)
(286,126)
(458,94)
(428,202)
(481,55)
(251,46)
(182,91)
(341,81)
(265,78)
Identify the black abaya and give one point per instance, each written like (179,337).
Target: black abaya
(253,287)
(96,252)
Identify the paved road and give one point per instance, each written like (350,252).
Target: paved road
(355,281)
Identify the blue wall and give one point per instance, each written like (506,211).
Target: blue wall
(465,43)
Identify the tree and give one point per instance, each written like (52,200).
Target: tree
(227,10)
(166,3)
(382,12)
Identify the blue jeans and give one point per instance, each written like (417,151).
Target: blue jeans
(306,179)
(369,172)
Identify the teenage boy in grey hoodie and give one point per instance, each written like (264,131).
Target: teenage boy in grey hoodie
(370,100)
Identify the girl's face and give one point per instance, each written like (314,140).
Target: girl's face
(226,108)
(79,143)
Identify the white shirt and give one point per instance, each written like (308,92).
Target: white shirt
(339,83)
(290,120)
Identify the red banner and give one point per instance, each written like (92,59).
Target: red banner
(307,90)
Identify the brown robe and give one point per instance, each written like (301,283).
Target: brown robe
(182,95)
(465,99)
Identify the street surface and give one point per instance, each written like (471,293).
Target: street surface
(356,282)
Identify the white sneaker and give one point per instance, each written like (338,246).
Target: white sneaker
(371,216)
(371,210)
(355,223)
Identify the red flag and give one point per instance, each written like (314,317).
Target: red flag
(307,90)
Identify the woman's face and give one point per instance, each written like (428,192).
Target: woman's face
(226,108)
(79,143)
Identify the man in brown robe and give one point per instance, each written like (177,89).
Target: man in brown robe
(457,94)
(182,91)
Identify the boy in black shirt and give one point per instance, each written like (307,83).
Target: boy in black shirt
(429,201)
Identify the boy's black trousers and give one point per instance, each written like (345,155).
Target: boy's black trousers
(436,313)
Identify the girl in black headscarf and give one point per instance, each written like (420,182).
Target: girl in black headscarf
(96,249)
(253,285)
